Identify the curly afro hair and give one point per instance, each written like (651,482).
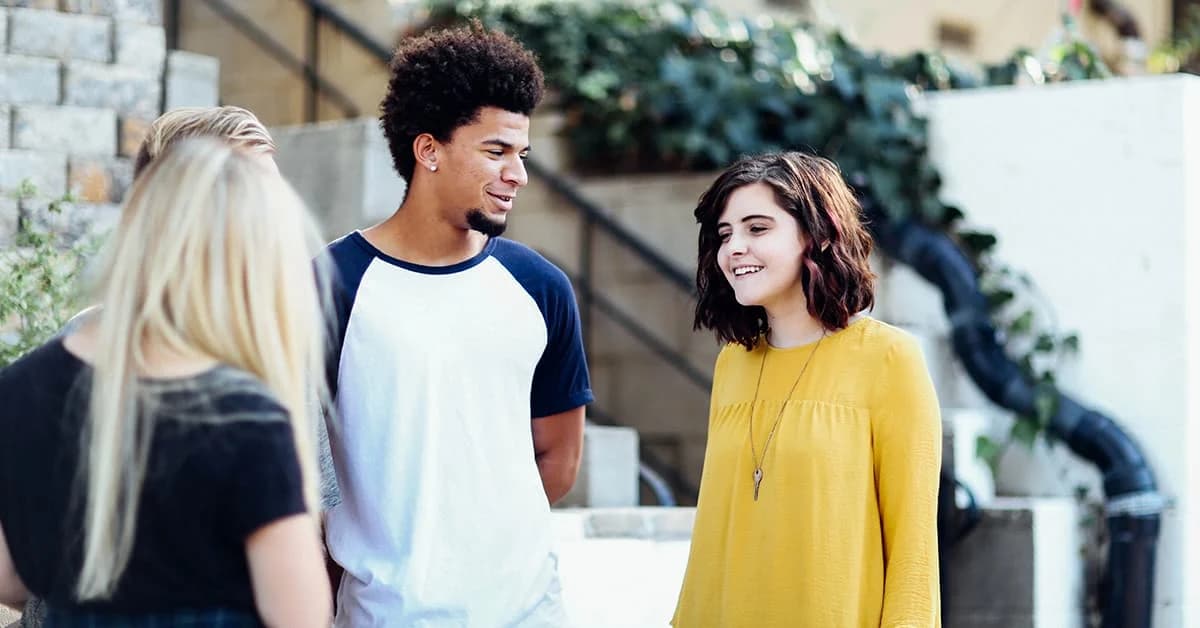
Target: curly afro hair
(440,80)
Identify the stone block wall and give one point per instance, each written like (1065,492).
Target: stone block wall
(80,83)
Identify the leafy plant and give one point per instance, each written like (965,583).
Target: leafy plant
(1182,52)
(38,286)
(678,86)
(1070,58)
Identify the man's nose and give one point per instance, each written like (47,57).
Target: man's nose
(516,173)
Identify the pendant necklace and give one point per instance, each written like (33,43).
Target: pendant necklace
(758,462)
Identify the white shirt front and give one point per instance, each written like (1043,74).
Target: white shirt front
(443,520)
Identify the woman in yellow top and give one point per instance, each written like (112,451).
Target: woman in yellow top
(818,501)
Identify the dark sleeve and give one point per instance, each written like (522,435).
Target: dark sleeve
(560,382)
(38,458)
(265,485)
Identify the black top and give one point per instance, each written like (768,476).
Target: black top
(222,464)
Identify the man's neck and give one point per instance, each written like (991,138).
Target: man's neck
(419,235)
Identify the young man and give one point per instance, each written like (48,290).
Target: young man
(459,373)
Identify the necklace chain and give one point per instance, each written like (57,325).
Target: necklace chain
(758,463)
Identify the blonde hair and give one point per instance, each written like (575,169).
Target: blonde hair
(213,257)
(239,127)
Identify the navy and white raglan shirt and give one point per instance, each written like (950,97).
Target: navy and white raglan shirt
(443,519)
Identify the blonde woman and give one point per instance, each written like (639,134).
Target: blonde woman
(188,498)
(236,126)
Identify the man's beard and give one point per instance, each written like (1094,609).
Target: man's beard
(479,221)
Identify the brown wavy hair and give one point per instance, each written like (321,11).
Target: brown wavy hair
(834,274)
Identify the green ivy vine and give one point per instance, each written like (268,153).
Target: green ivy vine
(677,86)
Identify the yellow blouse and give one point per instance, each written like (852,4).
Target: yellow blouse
(844,530)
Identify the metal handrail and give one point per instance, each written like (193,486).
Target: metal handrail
(676,359)
(665,267)
(671,475)
(277,50)
(322,10)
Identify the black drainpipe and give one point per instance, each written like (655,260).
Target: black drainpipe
(1133,505)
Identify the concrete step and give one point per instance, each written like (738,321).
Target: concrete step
(608,472)
(1020,568)
(622,567)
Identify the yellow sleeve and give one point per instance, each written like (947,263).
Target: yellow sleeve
(907,428)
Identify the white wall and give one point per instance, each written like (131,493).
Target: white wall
(1092,188)
(622,567)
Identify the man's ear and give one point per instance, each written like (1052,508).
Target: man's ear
(427,151)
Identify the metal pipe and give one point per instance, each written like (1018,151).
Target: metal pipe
(1133,503)
(658,486)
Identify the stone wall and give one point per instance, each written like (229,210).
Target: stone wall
(80,82)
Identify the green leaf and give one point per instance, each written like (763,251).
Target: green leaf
(1025,431)
(987,450)
(883,94)
(977,241)
(1045,404)
(999,298)
(1022,324)
(951,214)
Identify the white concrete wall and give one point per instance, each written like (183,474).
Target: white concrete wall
(342,170)
(1092,188)
(622,567)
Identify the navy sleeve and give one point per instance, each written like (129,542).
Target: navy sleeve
(348,258)
(560,381)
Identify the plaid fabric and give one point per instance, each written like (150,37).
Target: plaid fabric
(211,618)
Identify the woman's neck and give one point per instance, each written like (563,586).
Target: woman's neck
(793,327)
(159,360)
